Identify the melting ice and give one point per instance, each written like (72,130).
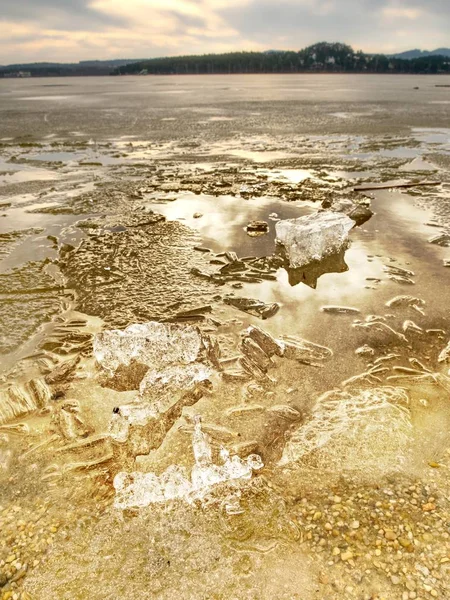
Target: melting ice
(137,490)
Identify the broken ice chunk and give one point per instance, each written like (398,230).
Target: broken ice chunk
(442,239)
(258,308)
(340,310)
(265,341)
(164,388)
(313,237)
(360,430)
(406,301)
(163,362)
(357,211)
(304,351)
(444,356)
(137,490)
(153,344)
(22,399)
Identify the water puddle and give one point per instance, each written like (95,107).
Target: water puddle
(65,157)
(259,156)
(221,221)
(20,173)
(436,136)
(291,175)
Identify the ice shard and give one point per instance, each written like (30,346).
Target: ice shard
(153,344)
(313,237)
(137,490)
(170,365)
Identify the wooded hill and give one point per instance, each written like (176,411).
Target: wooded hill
(322,57)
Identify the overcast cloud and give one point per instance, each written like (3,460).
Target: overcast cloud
(72,30)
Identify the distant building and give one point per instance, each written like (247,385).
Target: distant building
(17,74)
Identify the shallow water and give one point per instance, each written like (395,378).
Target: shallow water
(127,201)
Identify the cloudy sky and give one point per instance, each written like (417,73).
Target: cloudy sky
(72,30)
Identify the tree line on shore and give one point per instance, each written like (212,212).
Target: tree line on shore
(318,58)
(321,58)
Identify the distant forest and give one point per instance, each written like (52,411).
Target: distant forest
(55,69)
(319,58)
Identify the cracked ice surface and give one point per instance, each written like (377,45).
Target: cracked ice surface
(153,344)
(313,237)
(137,490)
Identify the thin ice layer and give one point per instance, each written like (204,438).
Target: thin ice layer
(137,490)
(313,237)
(153,344)
(366,430)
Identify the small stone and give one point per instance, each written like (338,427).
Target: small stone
(349,589)
(324,579)
(257,227)
(428,507)
(390,535)
(395,580)
(348,555)
(355,525)
(317,516)
(328,526)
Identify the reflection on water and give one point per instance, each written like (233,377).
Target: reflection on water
(435,135)
(12,172)
(57,156)
(223,219)
(292,175)
(311,273)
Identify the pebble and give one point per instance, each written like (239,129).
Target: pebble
(347,555)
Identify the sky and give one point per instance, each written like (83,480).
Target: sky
(73,30)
